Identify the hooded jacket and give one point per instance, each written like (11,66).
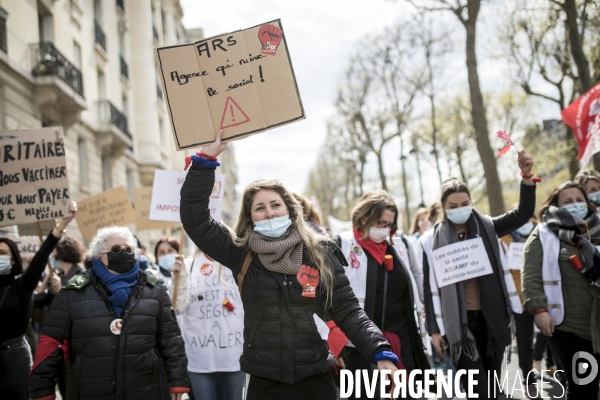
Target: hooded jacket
(103,365)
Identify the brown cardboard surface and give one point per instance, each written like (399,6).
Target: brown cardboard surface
(34,185)
(142,197)
(31,230)
(232,81)
(111,207)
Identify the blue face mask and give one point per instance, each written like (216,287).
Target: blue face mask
(166,262)
(578,209)
(273,228)
(595,197)
(5,264)
(55,264)
(526,229)
(459,215)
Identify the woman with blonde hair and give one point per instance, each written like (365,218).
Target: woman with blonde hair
(288,277)
(387,292)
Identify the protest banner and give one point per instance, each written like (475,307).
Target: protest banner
(111,207)
(142,197)
(27,245)
(33,176)
(242,82)
(460,261)
(583,116)
(514,255)
(164,205)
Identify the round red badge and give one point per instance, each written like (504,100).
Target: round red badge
(206,269)
(116,325)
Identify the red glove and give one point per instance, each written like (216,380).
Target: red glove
(270,36)
(309,279)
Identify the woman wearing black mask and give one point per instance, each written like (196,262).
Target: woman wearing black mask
(114,325)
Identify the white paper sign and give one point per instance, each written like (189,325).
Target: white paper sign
(515,254)
(166,196)
(461,261)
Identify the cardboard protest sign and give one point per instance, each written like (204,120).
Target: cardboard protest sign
(583,116)
(242,82)
(142,197)
(166,197)
(514,255)
(28,245)
(31,230)
(33,176)
(460,261)
(111,207)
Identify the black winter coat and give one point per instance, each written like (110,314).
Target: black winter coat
(281,340)
(103,365)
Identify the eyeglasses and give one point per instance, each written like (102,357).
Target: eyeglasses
(116,249)
(385,224)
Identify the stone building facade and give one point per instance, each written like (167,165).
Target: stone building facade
(88,65)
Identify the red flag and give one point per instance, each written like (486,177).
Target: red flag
(583,116)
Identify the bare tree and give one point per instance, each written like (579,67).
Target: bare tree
(542,50)
(467,12)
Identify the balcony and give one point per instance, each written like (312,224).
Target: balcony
(3,38)
(159,93)
(58,83)
(121,3)
(154,33)
(112,127)
(124,68)
(99,35)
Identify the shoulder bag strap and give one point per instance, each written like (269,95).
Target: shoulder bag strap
(4,294)
(242,274)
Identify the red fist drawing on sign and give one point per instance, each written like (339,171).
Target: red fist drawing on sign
(309,279)
(270,36)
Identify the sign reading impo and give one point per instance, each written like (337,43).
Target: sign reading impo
(33,176)
(242,82)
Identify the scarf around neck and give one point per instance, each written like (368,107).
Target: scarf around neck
(454,310)
(282,255)
(376,250)
(119,285)
(577,232)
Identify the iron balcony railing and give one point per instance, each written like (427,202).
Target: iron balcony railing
(121,3)
(3,39)
(99,34)
(47,61)
(159,91)
(124,68)
(108,114)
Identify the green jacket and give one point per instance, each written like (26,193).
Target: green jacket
(578,294)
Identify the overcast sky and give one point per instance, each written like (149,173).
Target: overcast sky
(321,36)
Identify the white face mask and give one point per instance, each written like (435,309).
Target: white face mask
(378,235)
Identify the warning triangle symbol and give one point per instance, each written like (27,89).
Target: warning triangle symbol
(233,114)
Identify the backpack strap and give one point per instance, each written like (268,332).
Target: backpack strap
(242,274)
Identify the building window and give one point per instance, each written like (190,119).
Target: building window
(77,55)
(46,30)
(101,86)
(3,37)
(106,173)
(83,163)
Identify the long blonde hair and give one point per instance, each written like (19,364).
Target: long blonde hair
(316,245)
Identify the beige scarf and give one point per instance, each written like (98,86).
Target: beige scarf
(282,255)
